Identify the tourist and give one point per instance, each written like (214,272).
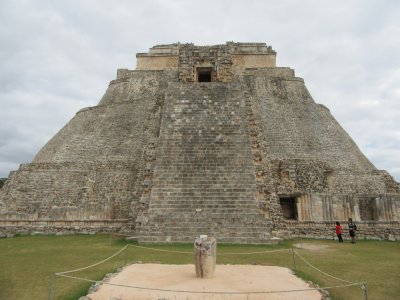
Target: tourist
(339,232)
(352,230)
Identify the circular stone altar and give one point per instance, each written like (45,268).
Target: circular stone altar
(228,278)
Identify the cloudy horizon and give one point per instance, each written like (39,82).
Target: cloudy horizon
(59,56)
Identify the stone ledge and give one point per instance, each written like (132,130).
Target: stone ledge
(45,222)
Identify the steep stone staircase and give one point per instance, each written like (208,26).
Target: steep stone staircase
(204,180)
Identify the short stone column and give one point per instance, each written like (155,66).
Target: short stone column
(205,256)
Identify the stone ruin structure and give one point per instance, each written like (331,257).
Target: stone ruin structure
(205,256)
(213,140)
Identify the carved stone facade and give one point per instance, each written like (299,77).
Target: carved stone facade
(211,140)
(221,60)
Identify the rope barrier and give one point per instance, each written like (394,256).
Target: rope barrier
(120,234)
(160,250)
(211,292)
(218,253)
(250,253)
(303,259)
(96,264)
(349,283)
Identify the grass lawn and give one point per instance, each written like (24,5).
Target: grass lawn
(28,262)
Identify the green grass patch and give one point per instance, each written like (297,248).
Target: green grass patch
(28,262)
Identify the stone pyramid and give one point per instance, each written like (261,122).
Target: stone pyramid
(212,140)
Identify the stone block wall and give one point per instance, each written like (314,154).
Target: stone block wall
(141,88)
(204,181)
(11,227)
(241,62)
(292,125)
(87,191)
(160,57)
(326,230)
(165,62)
(95,167)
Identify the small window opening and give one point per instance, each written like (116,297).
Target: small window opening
(289,208)
(204,74)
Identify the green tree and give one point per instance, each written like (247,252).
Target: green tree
(2,181)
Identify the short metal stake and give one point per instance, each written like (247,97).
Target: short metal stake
(294,259)
(126,247)
(365,288)
(53,279)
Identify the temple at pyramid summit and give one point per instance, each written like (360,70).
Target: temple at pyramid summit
(214,140)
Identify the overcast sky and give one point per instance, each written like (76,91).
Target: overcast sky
(59,56)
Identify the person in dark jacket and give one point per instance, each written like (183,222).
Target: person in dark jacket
(352,230)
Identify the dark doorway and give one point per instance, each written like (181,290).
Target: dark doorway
(368,209)
(204,74)
(289,208)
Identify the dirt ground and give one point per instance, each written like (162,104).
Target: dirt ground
(228,278)
(310,246)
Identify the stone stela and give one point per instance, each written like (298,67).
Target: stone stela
(205,256)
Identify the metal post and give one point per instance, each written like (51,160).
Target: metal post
(365,288)
(53,279)
(294,260)
(126,247)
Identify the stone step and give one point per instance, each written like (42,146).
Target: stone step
(202,201)
(190,239)
(203,175)
(226,183)
(204,161)
(205,188)
(200,205)
(218,194)
(243,181)
(195,231)
(208,213)
(201,220)
(198,193)
(207,198)
(214,233)
(202,165)
(234,230)
(207,226)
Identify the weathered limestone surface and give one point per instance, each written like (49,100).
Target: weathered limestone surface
(205,256)
(204,180)
(94,167)
(243,158)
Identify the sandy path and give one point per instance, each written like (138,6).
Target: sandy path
(228,278)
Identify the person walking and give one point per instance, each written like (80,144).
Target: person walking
(339,232)
(352,230)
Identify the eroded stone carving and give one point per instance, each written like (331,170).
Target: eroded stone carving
(205,256)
